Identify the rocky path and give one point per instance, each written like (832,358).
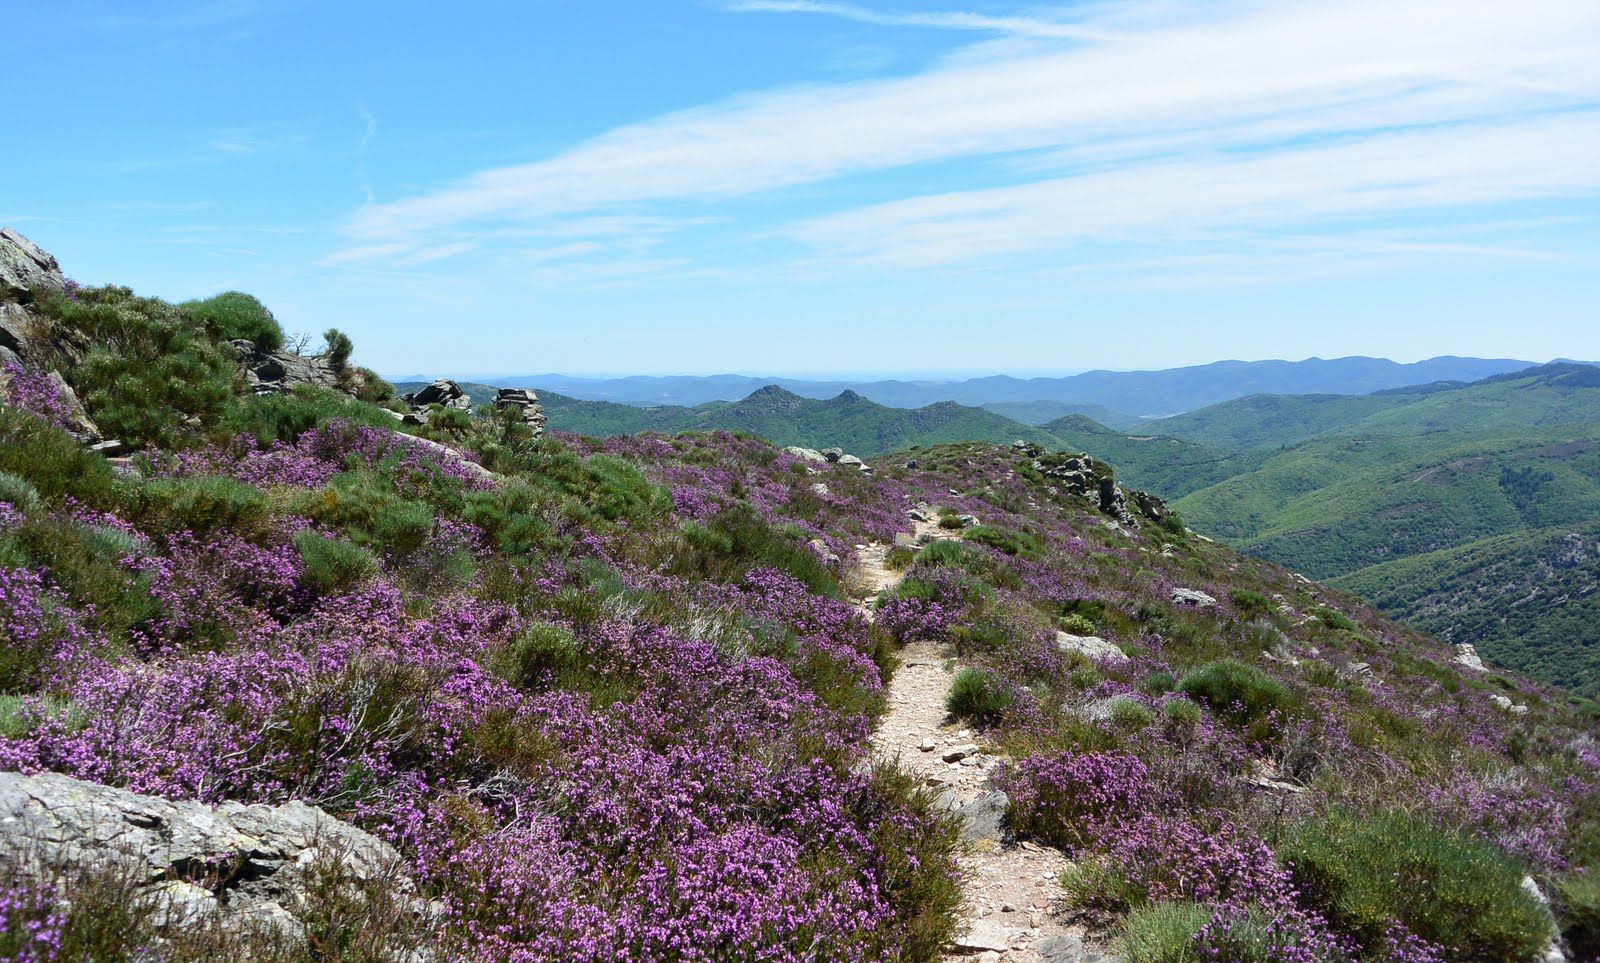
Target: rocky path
(1011,894)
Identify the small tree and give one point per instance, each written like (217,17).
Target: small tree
(339,347)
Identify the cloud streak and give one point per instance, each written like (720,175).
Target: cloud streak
(1247,111)
(1017,26)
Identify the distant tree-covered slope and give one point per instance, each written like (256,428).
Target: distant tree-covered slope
(1332,506)
(1167,466)
(1040,412)
(847,421)
(1529,600)
(1554,394)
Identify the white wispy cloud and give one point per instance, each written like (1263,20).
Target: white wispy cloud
(1239,109)
(1410,170)
(1019,26)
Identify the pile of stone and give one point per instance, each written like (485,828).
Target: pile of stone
(524,405)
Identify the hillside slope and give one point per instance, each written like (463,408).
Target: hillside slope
(1528,600)
(615,699)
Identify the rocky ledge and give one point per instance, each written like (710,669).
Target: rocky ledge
(246,868)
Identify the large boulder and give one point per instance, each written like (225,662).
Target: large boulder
(1092,646)
(280,372)
(244,867)
(24,266)
(442,392)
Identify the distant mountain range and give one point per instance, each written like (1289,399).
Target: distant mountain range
(1111,397)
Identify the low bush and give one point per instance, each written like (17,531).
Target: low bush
(207,503)
(1579,899)
(736,540)
(1163,933)
(1334,619)
(1067,799)
(1368,874)
(1238,691)
(1075,624)
(235,315)
(330,566)
(369,513)
(50,461)
(978,695)
(1009,541)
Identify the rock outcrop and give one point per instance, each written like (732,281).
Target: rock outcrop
(444,392)
(25,267)
(1088,478)
(522,404)
(243,867)
(280,372)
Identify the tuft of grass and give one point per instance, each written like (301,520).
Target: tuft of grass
(978,695)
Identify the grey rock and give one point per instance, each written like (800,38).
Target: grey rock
(1061,949)
(24,266)
(280,372)
(984,817)
(851,461)
(983,935)
(1090,645)
(1466,655)
(170,851)
(832,454)
(1193,598)
(958,753)
(805,454)
(442,392)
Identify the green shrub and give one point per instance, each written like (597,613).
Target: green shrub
(1334,619)
(898,558)
(543,656)
(1130,715)
(1163,933)
(19,493)
(1159,682)
(1189,932)
(233,315)
(154,373)
(1075,624)
(201,504)
(286,417)
(944,552)
(1237,691)
(1250,603)
(363,508)
(339,348)
(1367,873)
(1579,899)
(978,695)
(1011,542)
(330,566)
(1181,713)
(50,461)
(736,540)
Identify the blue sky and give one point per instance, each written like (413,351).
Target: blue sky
(598,186)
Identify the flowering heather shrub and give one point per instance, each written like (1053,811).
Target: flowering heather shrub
(34,392)
(1070,800)
(41,637)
